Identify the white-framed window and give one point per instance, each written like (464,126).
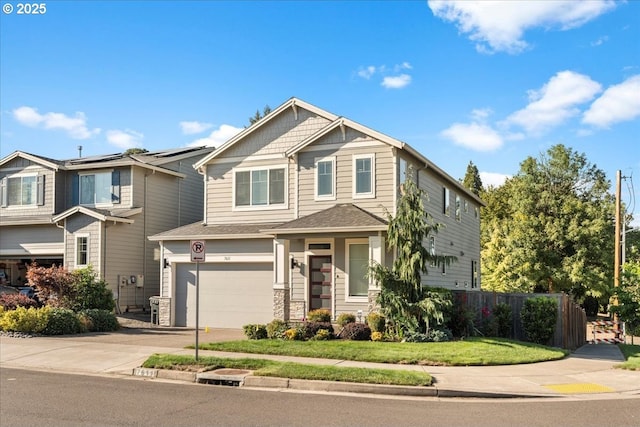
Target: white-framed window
(458,208)
(446,202)
(22,190)
(364,178)
(357,267)
(325,179)
(402,171)
(474,274)
(432,249)
(259,187)
(82,250)
(466,206)
(96,188)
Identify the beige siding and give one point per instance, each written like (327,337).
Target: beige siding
(457,238)
(280,134)
(20,166)
(83,225)
(344,152)
(220,193)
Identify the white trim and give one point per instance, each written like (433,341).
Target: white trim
(94,173)
(77,236)
(331,196)
(320,252)
(268,206)
(345,146)
(347,291)
(372,193)
(251,158)
(230,258)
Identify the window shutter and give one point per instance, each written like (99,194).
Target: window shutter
(75,189)
(3,191)
(115,186)
(40,192)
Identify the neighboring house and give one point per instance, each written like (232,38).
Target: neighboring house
(294,215)
(97,211)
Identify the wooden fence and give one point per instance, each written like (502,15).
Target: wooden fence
(571,326)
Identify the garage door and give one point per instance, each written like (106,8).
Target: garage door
(231,295)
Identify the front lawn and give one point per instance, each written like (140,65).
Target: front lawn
(270,368)
(632,354)
(471,351)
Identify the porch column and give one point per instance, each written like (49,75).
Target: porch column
(281,269)
(376,254)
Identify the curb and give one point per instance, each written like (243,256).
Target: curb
(332,386)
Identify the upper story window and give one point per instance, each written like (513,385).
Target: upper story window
(259,187)
(458,211)
(326,178)
(364,176)
(82,250)
(432,249)
(402,171)
(446,202)
(99,188)
(22,190)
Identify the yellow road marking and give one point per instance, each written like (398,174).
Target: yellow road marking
(579,388)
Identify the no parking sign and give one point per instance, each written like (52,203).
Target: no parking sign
(198,250)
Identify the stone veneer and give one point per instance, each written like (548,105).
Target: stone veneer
(281,304)
(372,305)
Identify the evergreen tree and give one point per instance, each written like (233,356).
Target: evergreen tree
(256,117)
(472,179)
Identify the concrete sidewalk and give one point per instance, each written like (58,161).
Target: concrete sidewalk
(587,373)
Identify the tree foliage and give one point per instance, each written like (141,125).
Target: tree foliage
(257,116)
(549,228)
(628,293)
(472,179)
(406,304)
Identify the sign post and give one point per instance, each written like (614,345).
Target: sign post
(198,251)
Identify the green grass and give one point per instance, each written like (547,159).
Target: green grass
(632,354)
(269,368)
(472,351)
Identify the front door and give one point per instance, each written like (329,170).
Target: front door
(320,278)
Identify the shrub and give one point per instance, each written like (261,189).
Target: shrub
(439,335)
(376,322)
(294,334)
(538,317)
(415,337)
(377,336)
(12,301)
(31,320)
(89,292)
(322,335)
(319,315)
(255,332)
(502,316)
(345,318)
(356,332)
(96,320)
(590,305)
(53,285)
(62,321)
(276,329)
(311,329)
(461,319)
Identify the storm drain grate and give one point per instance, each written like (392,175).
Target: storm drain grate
(579,388)
(225,377)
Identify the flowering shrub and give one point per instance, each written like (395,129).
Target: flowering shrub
(319,315)
(276,329)
(376,322)
(322,335)
(377,336)
(293,334)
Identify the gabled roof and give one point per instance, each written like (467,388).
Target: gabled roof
(150,160)
(100,214)
(293,103)
(44,161)
(335,123)
(345,217)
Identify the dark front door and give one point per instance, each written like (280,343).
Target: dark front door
(320,278)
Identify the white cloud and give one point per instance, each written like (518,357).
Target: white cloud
(600,41)
(493,179)
(75,126)
(217,137)
(617,104)
(555,102)
(125,139)
(476,136)
(190,128)
(396,82)
(500,25)
(367,72)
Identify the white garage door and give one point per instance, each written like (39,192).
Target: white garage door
(231,295)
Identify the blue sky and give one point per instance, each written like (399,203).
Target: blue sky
(488,82)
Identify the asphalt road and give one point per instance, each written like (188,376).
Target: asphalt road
(32,398)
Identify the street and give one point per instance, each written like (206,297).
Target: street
(33,398)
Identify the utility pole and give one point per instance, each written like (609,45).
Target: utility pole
(616,261)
